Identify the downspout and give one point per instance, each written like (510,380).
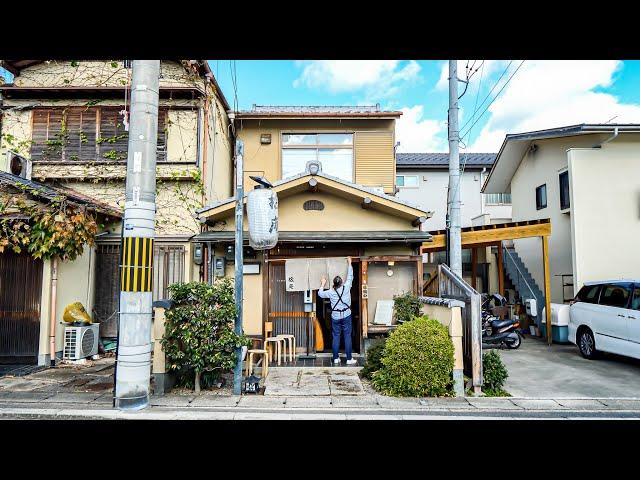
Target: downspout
(612,137)
(52,310)
(484,169)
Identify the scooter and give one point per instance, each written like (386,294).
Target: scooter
(496,331)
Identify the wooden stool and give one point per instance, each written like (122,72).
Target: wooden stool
(277,341)
(265,361)
(290,342)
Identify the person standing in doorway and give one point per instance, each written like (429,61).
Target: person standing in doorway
(340,298)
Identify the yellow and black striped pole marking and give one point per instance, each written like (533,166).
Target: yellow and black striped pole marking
(136,271)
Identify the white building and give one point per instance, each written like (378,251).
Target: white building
(586,180)
(423,180)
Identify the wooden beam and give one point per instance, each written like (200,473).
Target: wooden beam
(547,285)
(500,270)
(366,202)
(478,237)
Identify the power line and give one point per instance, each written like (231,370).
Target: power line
(497,95)
(488,95)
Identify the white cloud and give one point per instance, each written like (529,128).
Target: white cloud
(418,134)
(378,78)
(552,93)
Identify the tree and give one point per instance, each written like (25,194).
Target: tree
(199,334)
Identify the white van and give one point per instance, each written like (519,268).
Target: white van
(605,317)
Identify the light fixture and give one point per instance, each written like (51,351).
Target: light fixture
(265,138)
(389,273)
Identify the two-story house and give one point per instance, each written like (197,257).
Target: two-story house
(342,207)
(586,179)
(70,118)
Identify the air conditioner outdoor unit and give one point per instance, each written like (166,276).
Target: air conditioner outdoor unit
(81,342)
(17,165)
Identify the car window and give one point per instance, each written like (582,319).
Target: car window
(588,294)
(635,303)
(615,295)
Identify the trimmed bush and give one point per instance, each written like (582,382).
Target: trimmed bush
(494,373)
(373,361)
(417,361)
(406,307)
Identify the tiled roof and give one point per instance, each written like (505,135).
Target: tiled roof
(434,160)
(45,191)
(317,110)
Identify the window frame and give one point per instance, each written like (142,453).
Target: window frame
(318,146)
(624,286)
(546,200)
(561,175)
(501,202)
(417,177)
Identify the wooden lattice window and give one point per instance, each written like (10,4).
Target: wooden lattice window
(85,134)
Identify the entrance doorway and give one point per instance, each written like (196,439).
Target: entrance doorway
(20,293)
(286,309)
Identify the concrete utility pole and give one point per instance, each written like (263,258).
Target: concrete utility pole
(237,371)
(133,367)
(454,245)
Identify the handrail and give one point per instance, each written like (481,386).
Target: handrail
(459,282)
(521,274)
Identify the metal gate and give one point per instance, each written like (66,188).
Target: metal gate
(107,289)
(168,268)
(286,309)
(452,286)
(20,293)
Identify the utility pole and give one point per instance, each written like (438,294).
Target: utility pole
(454,245)
(237,371)
(133,366)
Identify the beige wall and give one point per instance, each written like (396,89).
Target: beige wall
(543,167)
(605,211)
(265,160)
(338,215)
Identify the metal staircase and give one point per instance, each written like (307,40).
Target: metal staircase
(521,278)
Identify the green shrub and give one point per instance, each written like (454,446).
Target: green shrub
(199,334)
(373,361)
(406,306)
(494,373)
(417,361)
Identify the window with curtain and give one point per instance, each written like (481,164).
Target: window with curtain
(85,134)
(333,150)
(564,191)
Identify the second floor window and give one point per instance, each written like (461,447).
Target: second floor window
(408,181)
(333,150)
(85,134)
(498,198)
(564,191)
(541,197)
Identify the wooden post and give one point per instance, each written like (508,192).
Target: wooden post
(547,285)
(474,262)
(420,275)
(500,270)
(364,297)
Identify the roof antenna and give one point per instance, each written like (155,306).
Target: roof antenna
(612,118)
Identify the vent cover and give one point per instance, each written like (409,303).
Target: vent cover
(313,205)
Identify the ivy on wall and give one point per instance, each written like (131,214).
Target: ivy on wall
(55,229)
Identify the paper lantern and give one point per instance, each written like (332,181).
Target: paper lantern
(262,213)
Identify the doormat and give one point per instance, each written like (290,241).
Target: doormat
(19,370)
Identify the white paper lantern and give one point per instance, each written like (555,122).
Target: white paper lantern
(262,213)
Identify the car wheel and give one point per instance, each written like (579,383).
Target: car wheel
(587,344)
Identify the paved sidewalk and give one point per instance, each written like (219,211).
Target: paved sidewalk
(339,407)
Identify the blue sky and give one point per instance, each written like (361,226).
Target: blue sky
(533,95)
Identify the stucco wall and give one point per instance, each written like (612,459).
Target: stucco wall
(218,153)
(431,195)
(544,167)
(110,73)
(605,211)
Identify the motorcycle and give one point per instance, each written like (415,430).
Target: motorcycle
(496,331)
